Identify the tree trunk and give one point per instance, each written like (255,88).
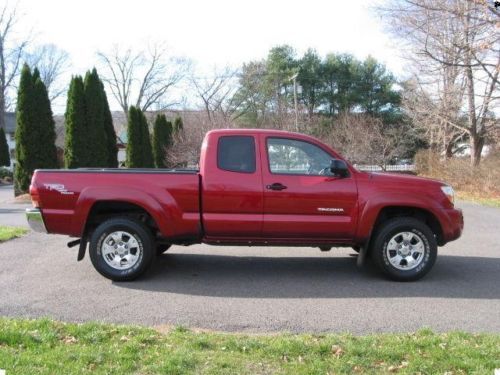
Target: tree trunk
(449,150)
(2,112)
(476,148)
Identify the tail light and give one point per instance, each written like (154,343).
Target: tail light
(35,196)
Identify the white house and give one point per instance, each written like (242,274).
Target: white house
(10,129)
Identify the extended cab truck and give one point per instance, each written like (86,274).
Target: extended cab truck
(254,187)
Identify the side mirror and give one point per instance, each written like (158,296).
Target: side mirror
(339,168)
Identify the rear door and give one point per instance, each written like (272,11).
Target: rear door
(232,192)
(302,199)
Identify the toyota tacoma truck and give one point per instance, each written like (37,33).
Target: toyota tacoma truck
(253,188)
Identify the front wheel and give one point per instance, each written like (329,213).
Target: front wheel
(404,248)
(121,249)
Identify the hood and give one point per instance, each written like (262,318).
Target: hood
(404,179)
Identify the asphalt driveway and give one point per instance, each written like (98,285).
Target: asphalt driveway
(11,213)
(260,289)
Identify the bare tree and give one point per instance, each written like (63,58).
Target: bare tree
(217,94)
(364,139)
(433,114)
(455,48)
(142,78)
(11,53)
(52,62)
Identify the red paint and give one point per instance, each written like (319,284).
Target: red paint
(236,208)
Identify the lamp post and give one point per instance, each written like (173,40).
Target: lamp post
(294,79)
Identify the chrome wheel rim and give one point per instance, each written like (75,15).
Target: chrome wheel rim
(121,250)
(405,251)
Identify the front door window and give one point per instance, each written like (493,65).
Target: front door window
(289,156)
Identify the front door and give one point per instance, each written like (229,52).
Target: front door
(302,199)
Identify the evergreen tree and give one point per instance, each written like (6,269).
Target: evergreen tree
(139,153)
(76,152)
(4,150)
(162,138)
(178,124)
(24,127)
(111,147)
(45,127)
(35,134)
(96,134)
(134,157)
(147,150)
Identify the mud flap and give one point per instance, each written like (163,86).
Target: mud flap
(81,249)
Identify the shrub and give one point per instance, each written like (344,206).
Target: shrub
(481,181)
(4,172)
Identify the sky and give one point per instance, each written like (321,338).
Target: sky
(212,33)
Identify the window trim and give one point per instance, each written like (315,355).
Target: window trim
(254,153)
(299,174)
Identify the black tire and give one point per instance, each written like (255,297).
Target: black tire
(161,248)
(391,228)
(141,234)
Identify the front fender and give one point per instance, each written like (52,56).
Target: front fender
(370,210)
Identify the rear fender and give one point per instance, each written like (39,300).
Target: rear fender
(164,213)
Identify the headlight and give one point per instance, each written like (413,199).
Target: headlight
(448,191)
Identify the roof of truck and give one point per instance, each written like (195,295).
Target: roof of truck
(254,131)
(271,132)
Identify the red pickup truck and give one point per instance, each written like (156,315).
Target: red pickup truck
(254,188)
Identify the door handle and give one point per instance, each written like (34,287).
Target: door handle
(276,186)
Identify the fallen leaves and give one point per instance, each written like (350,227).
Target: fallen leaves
(337,351)
(398,367)
(68,340)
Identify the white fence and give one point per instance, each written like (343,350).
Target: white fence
(392,168)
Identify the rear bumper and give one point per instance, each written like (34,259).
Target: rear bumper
(35,220)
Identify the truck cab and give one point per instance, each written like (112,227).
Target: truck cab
(277,188)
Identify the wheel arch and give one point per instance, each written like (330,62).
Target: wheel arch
(103,209)
(392,211)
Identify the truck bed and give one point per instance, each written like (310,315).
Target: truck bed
(171,197)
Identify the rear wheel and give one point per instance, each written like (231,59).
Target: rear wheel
(404,248)
(121,249)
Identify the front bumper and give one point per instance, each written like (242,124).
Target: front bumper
(35,220)
(455,224)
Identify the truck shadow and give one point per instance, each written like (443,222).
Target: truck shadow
(301,277)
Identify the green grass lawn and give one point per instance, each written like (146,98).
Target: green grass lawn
(7,233)
(47,347)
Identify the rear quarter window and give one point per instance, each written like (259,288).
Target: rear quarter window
(236,154)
